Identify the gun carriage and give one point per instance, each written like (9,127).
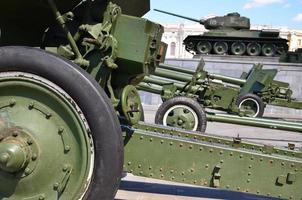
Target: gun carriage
(69,110)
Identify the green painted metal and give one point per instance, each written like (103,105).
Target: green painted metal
(181,116)
(292,57)
(118,51)
(231,34)
(236,142)
(131,105)
(50,158)
(12,156)
(189,160)
(28,29)
(265,123)
(221,94)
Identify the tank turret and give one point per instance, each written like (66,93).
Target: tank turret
(229,21)
(231,34)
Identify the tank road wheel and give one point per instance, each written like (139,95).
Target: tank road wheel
(251,103)
(59,136)
(204,47)
(253,49)
(220,48)
(268,50)
(182,112)
(189,46)
(280,49)
(238,48)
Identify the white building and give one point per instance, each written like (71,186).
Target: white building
(175,33)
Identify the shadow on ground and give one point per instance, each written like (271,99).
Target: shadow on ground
(188,191)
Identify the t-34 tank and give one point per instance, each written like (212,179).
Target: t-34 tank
(231,34)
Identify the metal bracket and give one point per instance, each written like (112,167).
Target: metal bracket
(60,187)
(216,176)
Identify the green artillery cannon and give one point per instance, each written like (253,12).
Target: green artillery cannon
(292,56)
(69,119)
(245,96)
(231,34)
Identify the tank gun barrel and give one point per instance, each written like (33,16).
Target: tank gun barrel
(184,17)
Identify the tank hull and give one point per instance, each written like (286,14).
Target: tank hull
(252,43)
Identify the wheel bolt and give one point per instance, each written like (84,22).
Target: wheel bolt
(31,106)
(61,129)
(15,133)
(34,157)
(48,115)
(41,197)
(12,102)
(29,141)
(27,171)
(4,158)
(55,186)
(65,167)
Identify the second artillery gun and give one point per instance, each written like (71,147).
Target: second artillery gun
(185,92)
(231,34)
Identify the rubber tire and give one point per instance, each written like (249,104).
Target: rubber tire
(215,50)
(164,107)
(199,51)
(248,49)
(93,102)
(233,50)
(256,98)
(273,52)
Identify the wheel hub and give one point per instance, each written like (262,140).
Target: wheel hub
(12,156)
(181,116)
(43,141)
(18,152)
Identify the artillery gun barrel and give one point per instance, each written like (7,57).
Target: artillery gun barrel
(267,123)
(159,81)
(155,89)
(176,15)
(176,68)
(174,75)
(228,79)
(280,121)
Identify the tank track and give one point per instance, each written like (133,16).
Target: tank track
(268,47)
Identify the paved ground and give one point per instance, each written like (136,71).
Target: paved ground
(138,188)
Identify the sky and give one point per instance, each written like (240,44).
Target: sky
(284,13)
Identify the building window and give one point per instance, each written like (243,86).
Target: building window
(299,42)
(172,48)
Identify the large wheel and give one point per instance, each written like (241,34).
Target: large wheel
(238,48)
(253,49)
(58,128)
(220,48)
(204,47)
(268,50)
(281,49)
(251,103)
(182,112)
(189,46)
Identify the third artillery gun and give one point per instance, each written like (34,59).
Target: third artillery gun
(231,34)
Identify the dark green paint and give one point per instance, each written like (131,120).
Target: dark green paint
(43,132)
(201,85)
(212,164)
(231,34)
(47,141)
